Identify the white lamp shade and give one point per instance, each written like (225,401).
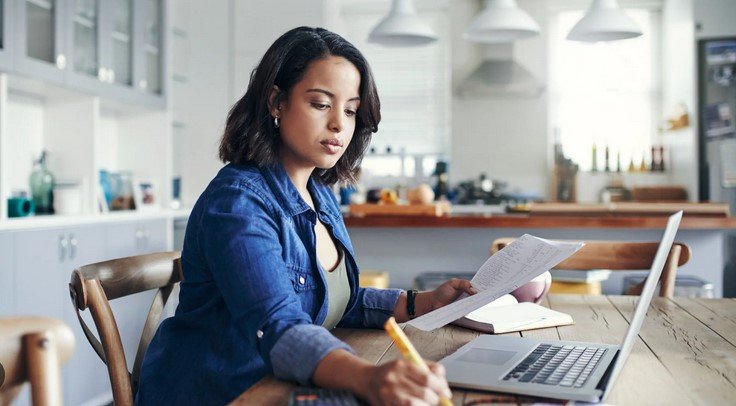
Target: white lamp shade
(604,21)
(402,27)
(501,21)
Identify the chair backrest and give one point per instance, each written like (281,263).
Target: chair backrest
(92,286)
(620,256)
(32,349)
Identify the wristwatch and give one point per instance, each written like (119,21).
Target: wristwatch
(411,295)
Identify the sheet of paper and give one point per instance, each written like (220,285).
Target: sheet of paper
(521,261)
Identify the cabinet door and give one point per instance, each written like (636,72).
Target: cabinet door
(118,44)
(154,236)
(84,377)
(39,50)
(84,26)
(41,287)
(7,275)
(6,32)
(150,32)
(123,240)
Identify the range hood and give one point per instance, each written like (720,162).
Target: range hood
(500,76)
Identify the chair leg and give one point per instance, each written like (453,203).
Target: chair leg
(43,368)
(670,272)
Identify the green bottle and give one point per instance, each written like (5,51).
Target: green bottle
(42,186)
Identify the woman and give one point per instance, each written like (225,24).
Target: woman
(268,264)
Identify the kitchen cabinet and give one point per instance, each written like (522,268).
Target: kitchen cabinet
(136,238)
(6,34)
(44,260)
(151,39)
(130,312)
(84,22)
(113,48)
(39,44)
(7,276)
(116,49)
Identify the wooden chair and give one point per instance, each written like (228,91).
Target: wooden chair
(620,256)
(32,349)
(92,286)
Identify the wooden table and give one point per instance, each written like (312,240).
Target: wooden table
(685,354)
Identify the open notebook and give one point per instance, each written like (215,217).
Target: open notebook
(505,315)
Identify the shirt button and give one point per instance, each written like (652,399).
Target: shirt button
(259,334)
(301,280)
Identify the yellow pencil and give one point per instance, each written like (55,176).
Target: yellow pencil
(407,349)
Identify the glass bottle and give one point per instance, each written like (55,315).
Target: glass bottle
(607,162)
(594,160)
(42,186)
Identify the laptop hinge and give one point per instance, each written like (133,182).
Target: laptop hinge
(603,383)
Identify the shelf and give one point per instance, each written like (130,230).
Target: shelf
(151,49)
(179,78)
(85,21)
(179,32)
(120,36)
(46,5)
(38,222)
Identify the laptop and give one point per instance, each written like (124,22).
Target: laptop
(567,370)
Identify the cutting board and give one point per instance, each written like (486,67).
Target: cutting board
(435,209)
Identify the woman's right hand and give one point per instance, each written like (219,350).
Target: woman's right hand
(400,382)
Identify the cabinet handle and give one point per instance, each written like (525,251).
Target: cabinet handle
(138,238)
(61,61)
(101,74)
(72,246)
(143,84)
(63,244)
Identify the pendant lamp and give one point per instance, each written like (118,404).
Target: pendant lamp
(402,27)
(499,76)
(501,21)
(604,21)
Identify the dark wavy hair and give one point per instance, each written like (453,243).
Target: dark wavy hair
(250,135)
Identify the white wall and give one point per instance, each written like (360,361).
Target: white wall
(25,115)
(204,57)
(679,86)
(260,23)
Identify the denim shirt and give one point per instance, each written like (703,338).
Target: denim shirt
(253,297)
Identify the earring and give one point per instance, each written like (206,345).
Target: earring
(276,121)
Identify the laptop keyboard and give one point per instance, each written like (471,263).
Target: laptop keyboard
(568,365)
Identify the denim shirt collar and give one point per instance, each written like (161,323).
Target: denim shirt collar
(290,199)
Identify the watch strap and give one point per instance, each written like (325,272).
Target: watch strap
(411,296)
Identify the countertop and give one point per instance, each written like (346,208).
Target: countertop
(467,220)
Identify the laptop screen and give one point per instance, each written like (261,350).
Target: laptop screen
(646,297)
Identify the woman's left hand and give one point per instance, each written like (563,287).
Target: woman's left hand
(449,291)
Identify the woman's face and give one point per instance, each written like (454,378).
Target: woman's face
(318,119)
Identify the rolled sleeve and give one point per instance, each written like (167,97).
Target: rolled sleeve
(372,308)
(298,351)
(379,305)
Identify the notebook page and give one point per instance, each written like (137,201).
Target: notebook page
(521,261)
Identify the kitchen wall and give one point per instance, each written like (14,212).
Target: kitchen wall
(504,137)
(200,105)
